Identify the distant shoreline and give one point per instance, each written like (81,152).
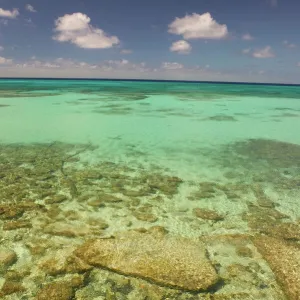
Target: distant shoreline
(149,80)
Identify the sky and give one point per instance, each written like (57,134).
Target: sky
(210,40)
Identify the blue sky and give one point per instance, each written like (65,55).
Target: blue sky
(231,40)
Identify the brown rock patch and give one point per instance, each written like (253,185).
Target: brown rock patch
(168,261)
(7,258)
(284,260)
(66,229)
(13,225)
(56,291)
(11,287)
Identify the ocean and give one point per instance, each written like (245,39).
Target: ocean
(114,189)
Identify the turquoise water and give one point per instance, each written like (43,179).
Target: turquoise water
(87,159)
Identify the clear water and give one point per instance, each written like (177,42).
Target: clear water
(216,163)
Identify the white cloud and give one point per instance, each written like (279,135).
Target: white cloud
(5,61)
(171,66)
(289,45)
(30,8)
(1,48)
(246,51)
(50,65)
(9,13)
(181,47)
(121,62)
(126,51)
(247,37)
(266,52)
(298,65)
(197,26)
(77,30)
(68,68)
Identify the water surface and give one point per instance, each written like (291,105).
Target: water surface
(173,163)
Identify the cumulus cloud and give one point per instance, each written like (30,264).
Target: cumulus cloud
(126,51)
(182,47)
(30,8)
(266,52)
(5,61)
(197,26)
(247,37)
(171,66)
(12,14)
(77,30)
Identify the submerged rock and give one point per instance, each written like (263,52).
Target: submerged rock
(67,229)
(11,287)
(284,261)
(56,291)
(10,211)
(106,198)
(170,261)
(13,225)
(63,265)
(287,231)
(56,199)
(222,118)
(146,217)
(276,153)
(207,214)
(7,258)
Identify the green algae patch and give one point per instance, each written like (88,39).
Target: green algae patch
(169,261)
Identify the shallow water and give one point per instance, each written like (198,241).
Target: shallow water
(141,166)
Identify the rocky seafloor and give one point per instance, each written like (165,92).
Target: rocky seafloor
(76,230)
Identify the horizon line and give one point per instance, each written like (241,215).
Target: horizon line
(151,80)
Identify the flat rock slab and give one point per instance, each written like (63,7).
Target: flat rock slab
(67,229)
(284,260)
(170,261)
